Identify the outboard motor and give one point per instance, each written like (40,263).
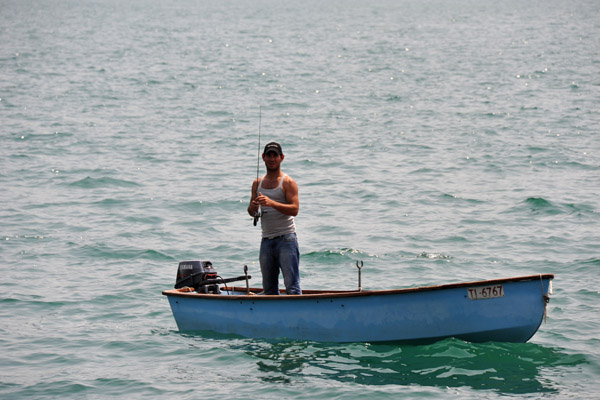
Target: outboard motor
(197,274)
(201,276)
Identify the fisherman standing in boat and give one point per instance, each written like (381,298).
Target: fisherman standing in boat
(276,194)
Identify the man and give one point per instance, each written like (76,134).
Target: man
(277,195)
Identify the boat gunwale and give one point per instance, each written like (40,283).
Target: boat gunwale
(320,294)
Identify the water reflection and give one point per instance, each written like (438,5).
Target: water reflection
(503,367)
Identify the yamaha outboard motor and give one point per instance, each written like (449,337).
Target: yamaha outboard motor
(199,275)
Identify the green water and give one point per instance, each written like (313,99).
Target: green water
(436,141)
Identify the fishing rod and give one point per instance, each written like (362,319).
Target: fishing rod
(257,213)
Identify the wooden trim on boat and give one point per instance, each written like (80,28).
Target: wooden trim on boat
(312,294)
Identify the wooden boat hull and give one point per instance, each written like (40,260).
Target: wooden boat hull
(504,310)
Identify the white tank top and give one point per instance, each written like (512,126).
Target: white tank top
(272,222)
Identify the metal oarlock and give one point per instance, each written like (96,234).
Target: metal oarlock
(359,277)
(246,275)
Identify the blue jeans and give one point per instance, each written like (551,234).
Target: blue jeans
(280,253)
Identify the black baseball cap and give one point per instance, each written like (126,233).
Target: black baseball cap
(273,146)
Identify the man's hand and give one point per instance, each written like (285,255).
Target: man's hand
(263,200)
(253,207)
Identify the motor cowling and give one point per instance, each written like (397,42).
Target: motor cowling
(199,275)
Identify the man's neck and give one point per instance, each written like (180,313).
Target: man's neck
(273,175)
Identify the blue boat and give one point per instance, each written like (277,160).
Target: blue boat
(502,310)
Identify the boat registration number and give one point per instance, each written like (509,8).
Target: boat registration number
(485,292)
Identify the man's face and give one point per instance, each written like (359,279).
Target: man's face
(272,160)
